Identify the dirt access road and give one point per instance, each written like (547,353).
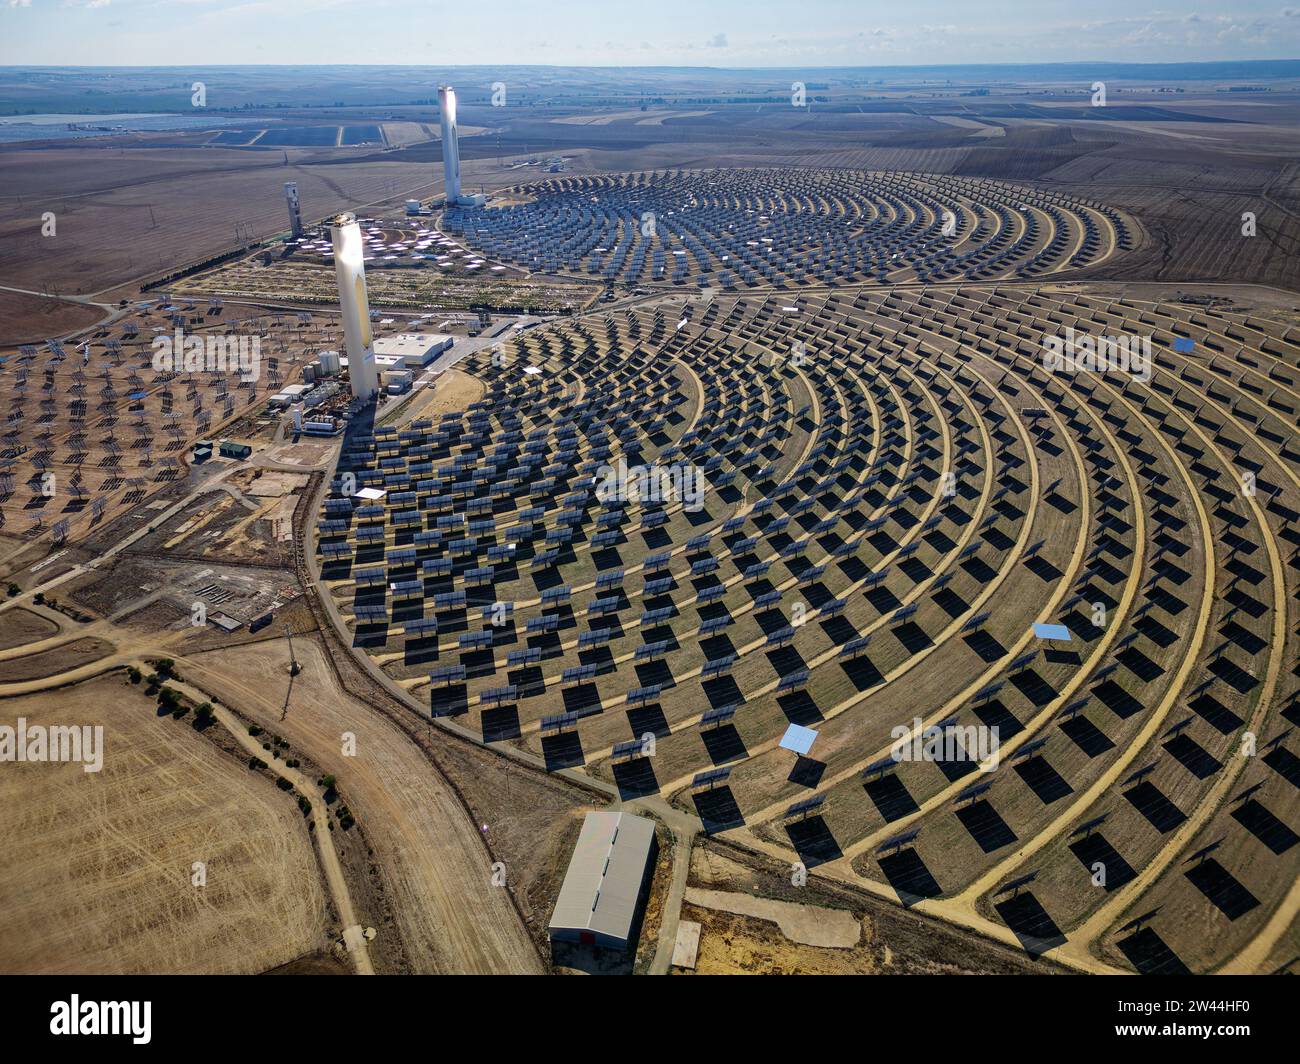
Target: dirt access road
(437,869)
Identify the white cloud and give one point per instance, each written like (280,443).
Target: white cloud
(718,40)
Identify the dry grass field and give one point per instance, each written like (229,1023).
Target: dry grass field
(437,871)
(28,319)
(95,868)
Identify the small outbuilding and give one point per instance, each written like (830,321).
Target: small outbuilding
(604,889)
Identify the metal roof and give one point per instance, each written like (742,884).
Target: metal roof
(605,874)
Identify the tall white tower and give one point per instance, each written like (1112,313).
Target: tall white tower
(295,215)
(350,268)
(450,149)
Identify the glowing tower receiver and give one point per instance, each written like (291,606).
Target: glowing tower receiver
(450,149)
(350,268)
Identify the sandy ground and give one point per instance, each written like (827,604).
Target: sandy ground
(451,917)
(450,390)
(742,945)
(19,627)
(659,120)
(95,868)
(598,120)
(54,661)
(28,319)
(812,925)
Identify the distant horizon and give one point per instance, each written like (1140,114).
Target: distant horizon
(675,34)
(775,68)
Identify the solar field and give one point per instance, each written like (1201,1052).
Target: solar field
(781,228)
(92,427)
(1040,621)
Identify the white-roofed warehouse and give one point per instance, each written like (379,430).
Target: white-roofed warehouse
(601,895)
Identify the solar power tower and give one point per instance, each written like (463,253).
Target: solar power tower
(350,268)
(450,148)
(295,215)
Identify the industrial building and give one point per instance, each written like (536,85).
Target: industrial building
(350,269)
(609,872)
(288,396)
(322,427)
(410,350)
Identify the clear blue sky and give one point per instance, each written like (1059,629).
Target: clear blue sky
(734,33)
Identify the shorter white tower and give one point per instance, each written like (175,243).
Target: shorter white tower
(450,148)
(350,268)
(295,215)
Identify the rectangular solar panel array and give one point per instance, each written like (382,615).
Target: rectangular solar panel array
(806,806)
(641,695)
(710,777)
